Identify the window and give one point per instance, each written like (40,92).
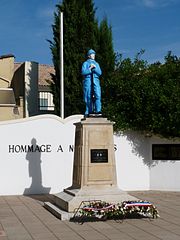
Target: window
(166,151)
(46,101)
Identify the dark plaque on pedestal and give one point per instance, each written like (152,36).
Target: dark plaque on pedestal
(99,155)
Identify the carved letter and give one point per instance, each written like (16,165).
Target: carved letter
(71,148)
(60,148)
(11,148)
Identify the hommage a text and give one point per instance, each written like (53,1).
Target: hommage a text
(47,148)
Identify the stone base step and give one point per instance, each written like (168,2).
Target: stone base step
(56,211)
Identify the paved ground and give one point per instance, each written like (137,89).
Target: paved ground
(24,218)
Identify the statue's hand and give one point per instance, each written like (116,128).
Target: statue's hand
(92,66)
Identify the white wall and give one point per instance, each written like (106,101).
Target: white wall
(164,174)
(132,159)
(50,171)
(20,171)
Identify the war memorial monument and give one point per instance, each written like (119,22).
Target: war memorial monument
(94,169)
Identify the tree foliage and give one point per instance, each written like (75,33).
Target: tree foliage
(106,58)
(146,97)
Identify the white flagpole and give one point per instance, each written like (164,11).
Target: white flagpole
(61,68)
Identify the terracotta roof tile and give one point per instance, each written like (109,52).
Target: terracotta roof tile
(44,72)
(17,65)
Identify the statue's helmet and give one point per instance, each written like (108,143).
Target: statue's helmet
(91,51)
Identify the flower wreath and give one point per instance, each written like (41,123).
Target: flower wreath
(102,209)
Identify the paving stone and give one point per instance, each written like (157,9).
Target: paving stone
(2,233)
(24,218)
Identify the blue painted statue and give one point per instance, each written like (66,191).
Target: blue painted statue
(91,84)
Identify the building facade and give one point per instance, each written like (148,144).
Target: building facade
(24,89)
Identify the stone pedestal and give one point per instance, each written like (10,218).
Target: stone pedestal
(94,171)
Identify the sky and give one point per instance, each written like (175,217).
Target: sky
(152,25)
